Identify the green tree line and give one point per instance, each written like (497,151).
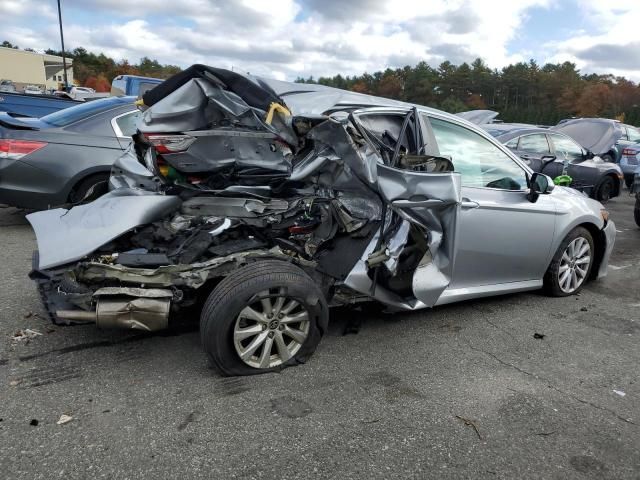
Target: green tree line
(522,92)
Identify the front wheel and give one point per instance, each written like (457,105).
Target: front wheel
(636,211)
(571,265)
(605,189)
(265,316)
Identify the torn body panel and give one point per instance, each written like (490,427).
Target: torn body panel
(222,174)
(66,236)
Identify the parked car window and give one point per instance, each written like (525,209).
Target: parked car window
(565,147)
(480,162)
(70,115)
(534,143)
(513,143)
(145,87)
(633,134)
(128,123)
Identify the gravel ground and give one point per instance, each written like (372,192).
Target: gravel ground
(460,391)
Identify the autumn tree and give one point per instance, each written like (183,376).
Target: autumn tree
(594,100)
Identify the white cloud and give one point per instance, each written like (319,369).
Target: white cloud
(25,8)
(608,42)
(289,38)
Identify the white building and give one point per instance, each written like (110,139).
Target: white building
(30,68)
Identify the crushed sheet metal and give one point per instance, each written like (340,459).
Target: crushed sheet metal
(65,236)
(343,168)
(141,313)
(194,275)
(133,292)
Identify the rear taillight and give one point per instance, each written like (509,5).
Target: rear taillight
(15,149)
(632,152)
(170,143)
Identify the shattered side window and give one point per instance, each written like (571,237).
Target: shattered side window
(566,148)
(480,162)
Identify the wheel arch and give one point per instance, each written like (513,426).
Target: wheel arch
(599,244)
(76,180)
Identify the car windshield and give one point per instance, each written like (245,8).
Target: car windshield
(70,115)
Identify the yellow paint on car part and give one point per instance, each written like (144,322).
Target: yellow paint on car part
(276,107)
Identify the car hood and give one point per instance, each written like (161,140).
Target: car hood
(594,134)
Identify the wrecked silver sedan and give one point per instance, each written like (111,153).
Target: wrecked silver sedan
(263,203)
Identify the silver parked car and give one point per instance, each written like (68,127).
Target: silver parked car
(263,203)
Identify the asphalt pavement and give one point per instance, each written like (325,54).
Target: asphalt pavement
(518,386)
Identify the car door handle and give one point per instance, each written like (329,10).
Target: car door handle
(466,204)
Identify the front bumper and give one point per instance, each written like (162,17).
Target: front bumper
(610,237)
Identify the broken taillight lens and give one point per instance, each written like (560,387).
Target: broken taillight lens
(15,149)
(170,143)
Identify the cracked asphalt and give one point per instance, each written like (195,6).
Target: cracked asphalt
(460,391)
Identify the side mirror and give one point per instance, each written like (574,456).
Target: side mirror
(539,184)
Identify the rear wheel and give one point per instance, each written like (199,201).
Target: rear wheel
(636,211)
(90,188)
(571,265)
(263,317)
(605,189)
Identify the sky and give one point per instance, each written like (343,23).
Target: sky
(290,38)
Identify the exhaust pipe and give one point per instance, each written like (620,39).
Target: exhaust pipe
(138,313)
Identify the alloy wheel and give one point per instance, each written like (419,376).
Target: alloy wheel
(574,265)
(271,330)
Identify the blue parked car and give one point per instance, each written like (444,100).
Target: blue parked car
(27,105)
(630,152)
(133,85)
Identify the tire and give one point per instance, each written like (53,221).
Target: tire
(636,212)
(240,305)
(606,188)
(607,157)
(99,183)
(553,283)
(628,181)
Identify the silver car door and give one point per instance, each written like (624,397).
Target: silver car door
(430,201)
(502,236)
(420,191)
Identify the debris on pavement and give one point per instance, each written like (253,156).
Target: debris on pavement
(25,334)
(539,336)
(619,392)
(33,422)
(64,419)
(13,383)
(470,423)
